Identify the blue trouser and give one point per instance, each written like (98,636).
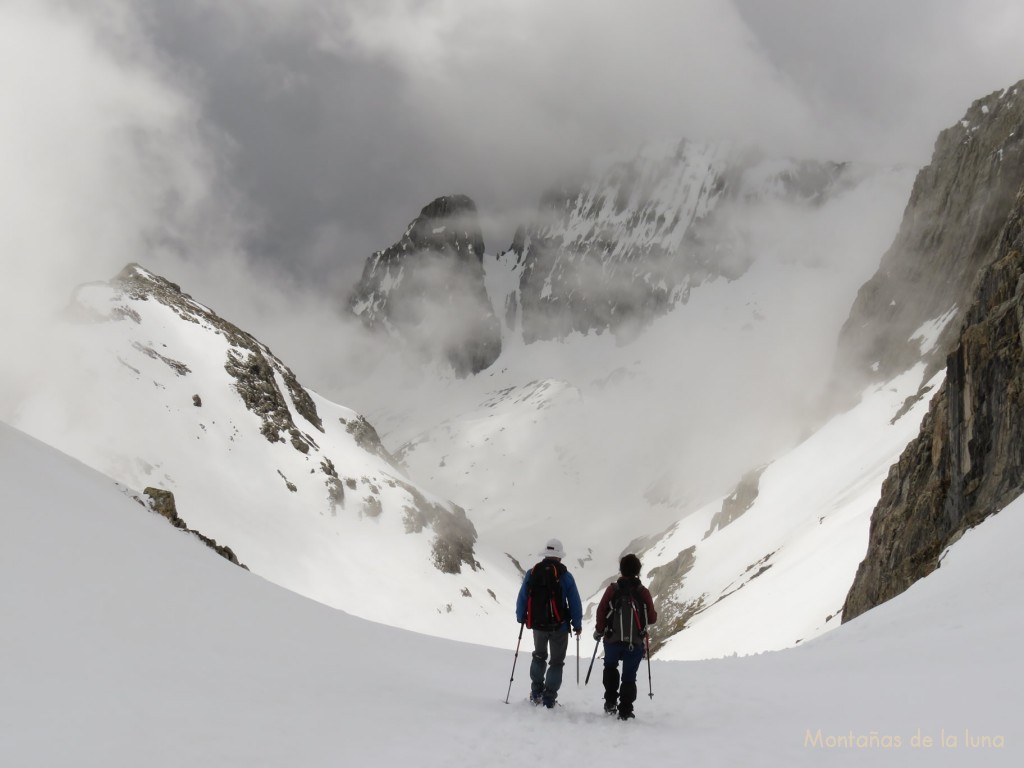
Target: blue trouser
(545,676)
(630,656)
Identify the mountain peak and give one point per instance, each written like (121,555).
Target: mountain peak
(427,290)
(157,390)
(642,229)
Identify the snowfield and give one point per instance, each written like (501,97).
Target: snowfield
(128,643)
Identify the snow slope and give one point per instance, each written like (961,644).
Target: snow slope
(127,642)
(615,447)
(154,389)
(779,573)
(626,457)
(595,442)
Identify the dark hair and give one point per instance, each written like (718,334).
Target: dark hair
(629,565)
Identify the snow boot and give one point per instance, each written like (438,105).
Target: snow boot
(627,695)
(549,697)
(610,678)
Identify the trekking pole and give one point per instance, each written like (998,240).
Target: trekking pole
(516,658)
(577,661)
(647,639)
(591,667)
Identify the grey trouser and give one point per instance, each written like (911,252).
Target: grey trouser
(547,684)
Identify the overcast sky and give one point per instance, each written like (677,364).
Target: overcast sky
(304,134)
(347,117)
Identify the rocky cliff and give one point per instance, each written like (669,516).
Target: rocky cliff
(428,288)
(628,241)
(960,202)
(968,461)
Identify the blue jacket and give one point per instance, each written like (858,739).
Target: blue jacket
(572,594)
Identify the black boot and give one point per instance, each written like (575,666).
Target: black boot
(611,689)
(627,695)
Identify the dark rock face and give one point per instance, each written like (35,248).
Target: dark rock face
(617,248)
(366,437)
(162,502)
(665,581)
(428,288)
(738,502)
(968,461)
(958,207)
(257,386)
(454,532)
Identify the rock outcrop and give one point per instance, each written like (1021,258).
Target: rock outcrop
(739,501)
(162,502)
(428,288)
(968,461)
(915,303)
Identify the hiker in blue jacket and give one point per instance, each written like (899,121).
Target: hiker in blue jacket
(549,603)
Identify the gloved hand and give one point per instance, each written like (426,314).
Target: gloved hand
(578,631)
(598,635)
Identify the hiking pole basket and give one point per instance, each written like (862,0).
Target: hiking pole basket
(591,667)
(515,658)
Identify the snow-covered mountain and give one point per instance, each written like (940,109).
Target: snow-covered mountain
(609,445)
(156,390)
(698,444)
(767,563)
(636,234)
(776,575)
(127,642)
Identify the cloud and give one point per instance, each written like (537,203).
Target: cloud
(107,160)
(105,155)
(348,116)
(286,140)
(882,78)
(104,158)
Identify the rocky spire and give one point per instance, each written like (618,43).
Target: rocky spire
(428,288)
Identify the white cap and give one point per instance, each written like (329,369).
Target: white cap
(553,549)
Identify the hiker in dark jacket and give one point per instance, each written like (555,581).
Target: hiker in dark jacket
(623,632)
(549,610)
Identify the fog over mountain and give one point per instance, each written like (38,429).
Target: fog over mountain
(318,130)
(731,285)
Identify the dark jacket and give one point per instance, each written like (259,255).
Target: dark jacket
(609,593)
(569,590)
